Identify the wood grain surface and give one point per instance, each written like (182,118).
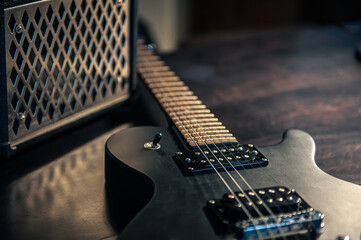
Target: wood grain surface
(259,84)
(262,83)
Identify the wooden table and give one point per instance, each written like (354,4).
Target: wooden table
(262,83)
(258,84)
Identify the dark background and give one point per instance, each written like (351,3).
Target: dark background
(233,15)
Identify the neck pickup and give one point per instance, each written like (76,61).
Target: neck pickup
(194,121)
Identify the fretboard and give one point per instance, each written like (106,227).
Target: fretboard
(192,118)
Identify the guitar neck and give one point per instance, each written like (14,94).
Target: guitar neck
(194,121)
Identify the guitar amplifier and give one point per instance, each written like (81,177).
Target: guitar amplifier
(62,61)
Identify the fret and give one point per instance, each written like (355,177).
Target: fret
(198,125)
(170,89)
(209,138)
(181,103)
(191,107)
(144,53)
(150,64)
(174,94)
(205,129)
(191,112)
(178,113)
(166,84)
(148,58)
(162,79)
(195,116)
(192,118)
(202,132)
(153,69)
(181,98)
(158,74)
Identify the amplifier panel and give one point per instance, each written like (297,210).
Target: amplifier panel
(65,60)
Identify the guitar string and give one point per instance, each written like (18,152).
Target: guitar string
(252,190)
(273,215)
(261,215)
(228,173)
(267,208)
(269,175)
(249,215)
(257,210)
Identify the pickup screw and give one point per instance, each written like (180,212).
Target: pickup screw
(240,195)
(230,196)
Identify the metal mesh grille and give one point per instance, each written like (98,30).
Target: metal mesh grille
(64,57)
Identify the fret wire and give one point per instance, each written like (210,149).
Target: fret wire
(195,144)
(206,133)
(246,211)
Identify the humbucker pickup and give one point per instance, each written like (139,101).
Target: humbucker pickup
(221,157)
(265,213)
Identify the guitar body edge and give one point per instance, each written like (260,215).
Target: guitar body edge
(155,200)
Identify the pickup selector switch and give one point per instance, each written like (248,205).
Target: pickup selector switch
(155,144)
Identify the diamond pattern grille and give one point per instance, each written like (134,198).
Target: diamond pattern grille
(64,57)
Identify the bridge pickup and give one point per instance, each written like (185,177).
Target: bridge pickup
(222,157)
(281,214)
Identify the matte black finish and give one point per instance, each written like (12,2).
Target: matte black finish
(175,210)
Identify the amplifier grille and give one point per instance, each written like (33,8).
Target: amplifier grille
(64,57)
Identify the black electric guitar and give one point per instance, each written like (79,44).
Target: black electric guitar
(198,182)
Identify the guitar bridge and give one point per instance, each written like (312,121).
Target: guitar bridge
(224,157)
(268,213)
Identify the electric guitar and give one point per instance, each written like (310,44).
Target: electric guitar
(194,180)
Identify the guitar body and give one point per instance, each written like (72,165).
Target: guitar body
(166,204)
